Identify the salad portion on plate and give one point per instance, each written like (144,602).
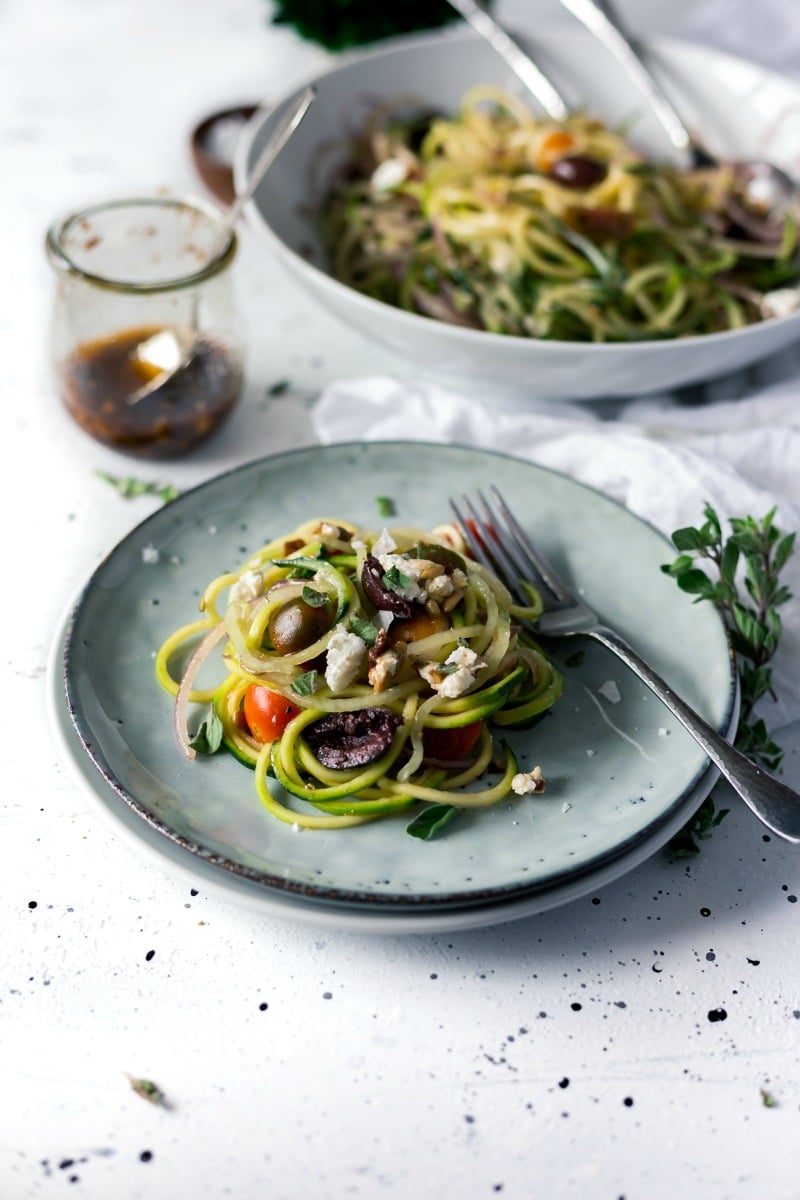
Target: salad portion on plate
(363,671)
(621,774)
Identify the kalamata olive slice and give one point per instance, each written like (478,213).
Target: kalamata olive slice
(296,625)
(382,597)
(352,739)
(577,171)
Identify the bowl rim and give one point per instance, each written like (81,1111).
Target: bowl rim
(454,333)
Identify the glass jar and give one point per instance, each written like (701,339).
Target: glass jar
(146,336)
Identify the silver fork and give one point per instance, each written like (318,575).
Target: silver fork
(497,540)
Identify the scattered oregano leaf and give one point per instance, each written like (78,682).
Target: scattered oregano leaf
(431,821)
(148,1091)
(128,487)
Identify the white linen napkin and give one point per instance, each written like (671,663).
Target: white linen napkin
(660,458)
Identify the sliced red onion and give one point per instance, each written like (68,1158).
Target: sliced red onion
(181,709)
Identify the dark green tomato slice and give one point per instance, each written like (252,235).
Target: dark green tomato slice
(442,555)
(296,625)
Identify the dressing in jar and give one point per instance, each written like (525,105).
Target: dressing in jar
(146,336)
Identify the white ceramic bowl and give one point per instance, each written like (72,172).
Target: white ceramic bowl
(741,108)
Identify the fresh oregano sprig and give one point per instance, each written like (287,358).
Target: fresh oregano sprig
(754,553)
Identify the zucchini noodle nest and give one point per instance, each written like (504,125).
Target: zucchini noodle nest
(362,669)
(502,221)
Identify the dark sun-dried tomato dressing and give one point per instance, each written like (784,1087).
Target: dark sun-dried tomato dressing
(99,378)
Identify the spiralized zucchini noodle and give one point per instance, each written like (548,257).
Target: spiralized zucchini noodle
(364,671)
(503,221)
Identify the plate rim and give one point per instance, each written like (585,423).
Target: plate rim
(233,889)
(357,898)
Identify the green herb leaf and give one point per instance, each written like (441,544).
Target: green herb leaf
(129,487)
(386,506)
(314,598)
(431,821)
(395,580)
(148,1091)
(767,1099)
(364,629)
(208,738)
(690,539)
(696,583)
(305,684)
(697,829)
(279,388)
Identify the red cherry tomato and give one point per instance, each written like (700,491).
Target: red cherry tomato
(452,744)
(267,713)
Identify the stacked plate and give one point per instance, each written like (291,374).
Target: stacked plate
(622,775)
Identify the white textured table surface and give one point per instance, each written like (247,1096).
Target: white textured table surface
(618,1047)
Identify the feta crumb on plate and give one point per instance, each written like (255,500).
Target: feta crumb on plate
(610,690)
(527,782)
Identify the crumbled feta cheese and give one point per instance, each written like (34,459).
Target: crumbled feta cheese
(150,554)
(346,652)
(610,690)
(388,175)
(440,587)
(249,586)
(566,806)
(384,544)
(783,302)
(663,732)
(464,656)
(450,684)
(409,591)
(527,782)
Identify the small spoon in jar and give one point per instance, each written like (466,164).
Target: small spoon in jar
(765,188)
(169,351)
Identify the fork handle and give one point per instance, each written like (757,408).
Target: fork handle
(775,804)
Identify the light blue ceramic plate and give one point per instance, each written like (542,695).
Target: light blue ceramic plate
(621,773)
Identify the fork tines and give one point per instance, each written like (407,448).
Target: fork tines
(497,541)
